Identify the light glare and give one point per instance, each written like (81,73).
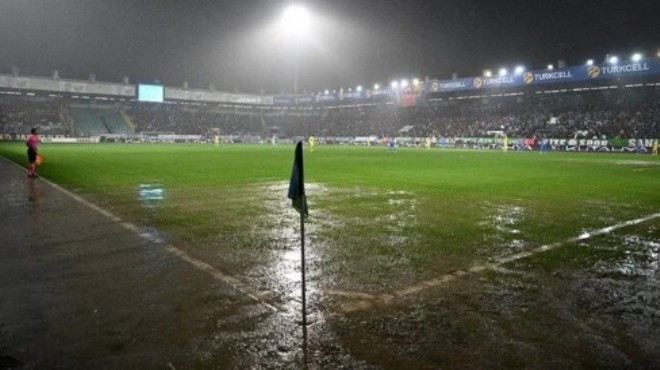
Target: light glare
(503,72)
(614,59)
(550,67)
(296,20)
(636,57)
(519,70)
(590,62)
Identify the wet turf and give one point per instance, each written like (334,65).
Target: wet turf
(382,223)
(378,219)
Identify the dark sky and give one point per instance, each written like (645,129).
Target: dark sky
(231,43)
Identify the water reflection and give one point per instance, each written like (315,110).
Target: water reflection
(34,194)
(503,220)
(283,230)
(641,257)
(150,194)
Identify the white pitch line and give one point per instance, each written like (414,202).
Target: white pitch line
(219,275)
(198,264)
(366,299)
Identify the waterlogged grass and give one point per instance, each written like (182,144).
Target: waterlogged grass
(405,215)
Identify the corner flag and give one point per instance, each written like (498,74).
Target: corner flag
(297,183)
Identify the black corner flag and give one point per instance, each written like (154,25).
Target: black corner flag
(297,184)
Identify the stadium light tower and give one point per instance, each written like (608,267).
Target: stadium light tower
(295,25)
(636,57)
(590,62)
(550,67)
(519,70)
(613,59)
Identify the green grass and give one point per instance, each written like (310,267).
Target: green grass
(376,215)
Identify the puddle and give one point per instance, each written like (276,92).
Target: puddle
(500,226)
(635,163)
(150,195)
(280,276)
(641,259)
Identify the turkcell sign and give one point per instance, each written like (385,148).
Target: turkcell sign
(323,98)
(381,92)
(452,85)
(435,86)
(637,68)
(500,81)
(560,75)
(353,95)
(306,99)
(280,100)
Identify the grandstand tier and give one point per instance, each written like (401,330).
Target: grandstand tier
(622,112)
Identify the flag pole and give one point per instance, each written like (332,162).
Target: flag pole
(303,268)
(302,272)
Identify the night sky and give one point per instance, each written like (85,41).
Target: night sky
(360,42)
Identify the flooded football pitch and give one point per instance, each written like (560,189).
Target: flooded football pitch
(85,288)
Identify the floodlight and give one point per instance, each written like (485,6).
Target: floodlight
(404,83)
(416,81)
(519,70)
(550,67)
(296,20)
(327,92)
(503,72)
(613,59)
(395,85)
(376,86)
(590,62)
(359,88)
(350,89)
(658,53)
(636,57)
(487,73)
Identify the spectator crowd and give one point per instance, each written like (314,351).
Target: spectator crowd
(623,112)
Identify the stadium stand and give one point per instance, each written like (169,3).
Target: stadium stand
(98,120)
(18,115)
(608,113)
(622,112)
